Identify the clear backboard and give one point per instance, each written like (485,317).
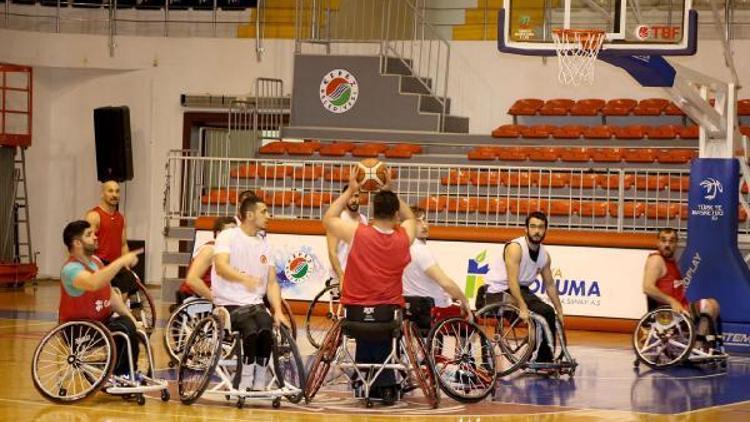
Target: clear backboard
(632,27)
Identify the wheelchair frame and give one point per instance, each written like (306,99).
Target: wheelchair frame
(225,353)
(669,328)
(94,334)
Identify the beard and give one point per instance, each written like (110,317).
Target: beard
(534,240)
(352,207)
(90,248)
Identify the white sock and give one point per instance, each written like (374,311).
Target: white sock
(259,381)
(246,381)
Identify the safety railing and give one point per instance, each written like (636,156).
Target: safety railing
(620,200)
(261,117)
(397,29)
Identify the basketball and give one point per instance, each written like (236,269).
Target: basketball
(371,174)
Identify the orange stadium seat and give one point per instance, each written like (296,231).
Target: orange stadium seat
(688,132)
(274,172)
(629,132)
(660,211)
(465,204)
(672,110)
(631,209)
(507,131)
(220,196)
(280,198)
(597,132)
(682,211)
(433,203)
(662,132)
(482,154)
(526,107)
(537,131)
(302,148)
(488,178)
(458,177)
(651,182)
(556,107)
(606,155)
(554,180)
(674,156)
(520,179)
(619,107)
(277,147)
(414,148)
(576,155)
(612,181)
(249,171)
(398,153)
(743,107)
(583,180)
(587,107)
(337,174)
(315,199)
(563,207)
(544,154)
(638,155)
(308,172)
(366,151)
(593,209)
(333,150)
(745,130)
(512,153)
(742,215)
(492,205)
(679,183)
(651,107)
(381,147)
(568,132)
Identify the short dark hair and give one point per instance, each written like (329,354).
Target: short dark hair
(222,222)
(538,215)
(74,230)
(667,230)
(245,194)
(385,205)
(248,204)
(418,211)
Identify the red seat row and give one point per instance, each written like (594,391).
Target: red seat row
(582,154)
(597,106)
(561,180)
(306,172)
(596,132)
(276,198)
(340,149)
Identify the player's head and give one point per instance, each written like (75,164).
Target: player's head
(536,227)
(423,228)
(385,205)
(80,236)
(254,212)
(223,223)
(111,193)
(242,196)
(667,241)
(353,203)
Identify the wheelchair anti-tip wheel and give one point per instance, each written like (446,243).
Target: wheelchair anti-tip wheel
(464,359)
(73,361)
(199,358)
(663,338)
(513,338)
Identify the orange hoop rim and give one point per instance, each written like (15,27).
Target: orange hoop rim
(572,31)
(590,39)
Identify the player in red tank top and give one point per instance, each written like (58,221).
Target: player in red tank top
(377,257)
(663,282)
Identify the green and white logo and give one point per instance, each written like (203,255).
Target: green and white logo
(339,91)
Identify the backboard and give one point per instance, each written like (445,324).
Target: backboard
(632,27)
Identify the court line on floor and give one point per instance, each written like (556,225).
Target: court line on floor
(19,324)
(718,406)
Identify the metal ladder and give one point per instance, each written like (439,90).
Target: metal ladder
(21,223)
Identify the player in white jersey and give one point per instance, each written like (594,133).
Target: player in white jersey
(523,259)
(242,275)
(338,250)
(423,278)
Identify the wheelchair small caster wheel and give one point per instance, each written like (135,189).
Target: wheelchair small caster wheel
(165,395)
(140,399)
(636,363)
(240,402)
(171,364)
(369,404)
(276,403)
(63,392)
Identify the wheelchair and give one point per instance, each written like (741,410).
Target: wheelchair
(140,303)
(76,359)
(316,327)
(183,319)
(211,364)
(462,354)
(665,338)
(517,342)
(408,358)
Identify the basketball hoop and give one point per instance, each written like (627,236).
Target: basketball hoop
(576,54)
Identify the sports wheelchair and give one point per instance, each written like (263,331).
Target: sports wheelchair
(76,359)
(408,357)
(517,342)
(213,354)
(665,338)
(462,354)
(185,316)
(317,326)
(139,301)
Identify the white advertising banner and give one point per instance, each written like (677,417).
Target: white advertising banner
(595,282)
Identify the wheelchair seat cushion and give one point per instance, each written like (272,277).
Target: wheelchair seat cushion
(372,323)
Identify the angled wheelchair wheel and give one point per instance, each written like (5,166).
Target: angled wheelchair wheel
(663,338)
(199,358)
(290,316)
(142,307)
(181,324)
(316,326)
(73,361)
(513,338)
(287,363)
(322,362)
(420,364)
(464,359)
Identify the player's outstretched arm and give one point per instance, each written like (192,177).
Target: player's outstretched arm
(335,226)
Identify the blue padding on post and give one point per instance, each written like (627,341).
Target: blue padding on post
(712,263)
(647,70)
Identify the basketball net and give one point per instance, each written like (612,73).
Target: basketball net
(576,54)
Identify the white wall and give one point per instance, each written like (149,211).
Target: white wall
(75,74)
